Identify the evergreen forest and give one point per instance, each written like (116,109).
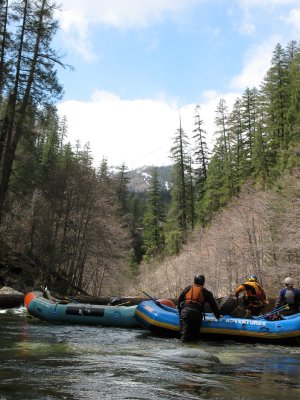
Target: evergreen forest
(77,228)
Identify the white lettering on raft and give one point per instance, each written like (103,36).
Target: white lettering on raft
(239,321)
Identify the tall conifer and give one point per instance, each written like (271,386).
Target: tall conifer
(201,159)
(154,219)
(177,217)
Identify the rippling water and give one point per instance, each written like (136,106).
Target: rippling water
(39,360)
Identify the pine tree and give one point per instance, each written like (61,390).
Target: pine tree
(201,159)
(249,121)
(190,195)
(216,188)
(136,210)
(154,218)
(177,223)
(224,139)
(121,190)
(238,148)
(293,112)
(276,103)
(35,82)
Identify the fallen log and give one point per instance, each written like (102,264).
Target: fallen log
(103,300)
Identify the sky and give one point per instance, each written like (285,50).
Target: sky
(140,65)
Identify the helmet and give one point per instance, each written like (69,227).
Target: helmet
(289,281)
(253,278)
(199,279)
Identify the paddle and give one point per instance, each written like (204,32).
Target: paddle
(150,297)
(277,310)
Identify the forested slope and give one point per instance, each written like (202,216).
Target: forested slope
(258,232)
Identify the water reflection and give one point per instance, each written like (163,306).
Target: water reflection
(39,360)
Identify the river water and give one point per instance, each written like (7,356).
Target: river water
(43,361)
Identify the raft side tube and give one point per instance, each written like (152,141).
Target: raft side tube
(28,298)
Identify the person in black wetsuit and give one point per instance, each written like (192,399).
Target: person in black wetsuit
(191,308)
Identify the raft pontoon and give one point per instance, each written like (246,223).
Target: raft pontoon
(163,320)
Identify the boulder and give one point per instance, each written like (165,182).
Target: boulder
(10,298)
(9,290)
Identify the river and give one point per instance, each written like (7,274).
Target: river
(43,361)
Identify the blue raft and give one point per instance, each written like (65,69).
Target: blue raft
(163,320)
(52,310)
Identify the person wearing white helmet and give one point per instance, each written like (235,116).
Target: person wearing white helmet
(290,296)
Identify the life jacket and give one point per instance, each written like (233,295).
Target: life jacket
(260,293)
(289,296)
(195,296)
(253,289)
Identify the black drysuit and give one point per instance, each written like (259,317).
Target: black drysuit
(191,313)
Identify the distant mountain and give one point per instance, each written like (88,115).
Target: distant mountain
(139,178)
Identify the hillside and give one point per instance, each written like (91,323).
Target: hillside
(139,178)
(258,232)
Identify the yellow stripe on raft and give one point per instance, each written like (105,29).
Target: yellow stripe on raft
(267,335)
(156,323)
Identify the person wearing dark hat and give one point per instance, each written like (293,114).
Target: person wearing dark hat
(191,308)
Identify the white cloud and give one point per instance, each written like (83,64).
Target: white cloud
(136,132)
(256,63)
(78,16)
(121,13)
(293,20)
(247,28)
(266,3)
(251,8)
